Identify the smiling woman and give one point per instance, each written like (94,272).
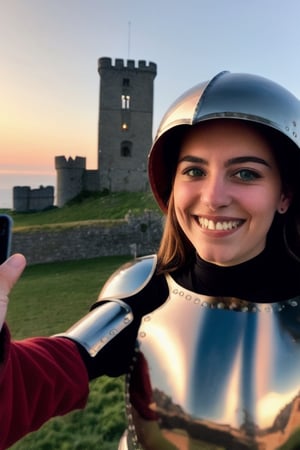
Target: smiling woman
(230,112)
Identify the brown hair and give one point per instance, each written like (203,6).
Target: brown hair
(175,249)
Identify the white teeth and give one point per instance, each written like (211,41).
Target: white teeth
(225,225)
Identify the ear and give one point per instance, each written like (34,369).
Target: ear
(284,202)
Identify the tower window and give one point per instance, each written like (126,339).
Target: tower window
(125,101)
(126,149)
(126,82)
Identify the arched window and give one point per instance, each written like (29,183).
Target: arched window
(126,149)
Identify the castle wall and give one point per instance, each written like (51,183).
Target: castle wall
(129,236)
(27,199)
(91,181)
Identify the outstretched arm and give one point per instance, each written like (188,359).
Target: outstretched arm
(39,377)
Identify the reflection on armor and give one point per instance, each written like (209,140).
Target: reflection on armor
(215,374)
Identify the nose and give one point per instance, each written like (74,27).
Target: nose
(215,193)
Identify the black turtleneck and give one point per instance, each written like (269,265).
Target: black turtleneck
(269,277)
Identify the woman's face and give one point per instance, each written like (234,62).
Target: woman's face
(227,189)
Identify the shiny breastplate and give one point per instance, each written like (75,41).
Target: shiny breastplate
(215,373)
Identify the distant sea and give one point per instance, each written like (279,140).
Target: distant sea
(6,198)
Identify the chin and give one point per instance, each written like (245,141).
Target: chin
(219,261)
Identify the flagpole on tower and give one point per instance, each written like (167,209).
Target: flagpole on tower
(129,38)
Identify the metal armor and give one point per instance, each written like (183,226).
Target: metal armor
(214,373)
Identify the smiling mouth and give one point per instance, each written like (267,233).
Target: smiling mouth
(219,225)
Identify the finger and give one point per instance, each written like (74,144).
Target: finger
(3,308)
(10,271)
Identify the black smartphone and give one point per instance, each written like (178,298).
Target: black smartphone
(5,236)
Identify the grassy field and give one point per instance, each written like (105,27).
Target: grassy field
(47,300)
(85,207)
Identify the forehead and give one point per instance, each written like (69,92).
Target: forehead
(226,130)
(223,140)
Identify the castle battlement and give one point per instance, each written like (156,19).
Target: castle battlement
(121,64)
(61,163)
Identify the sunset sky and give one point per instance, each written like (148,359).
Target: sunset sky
(49,49)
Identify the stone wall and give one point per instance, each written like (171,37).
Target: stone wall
(130,236)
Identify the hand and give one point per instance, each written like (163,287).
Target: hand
(10,271)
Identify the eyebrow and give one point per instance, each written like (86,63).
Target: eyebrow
(231,161)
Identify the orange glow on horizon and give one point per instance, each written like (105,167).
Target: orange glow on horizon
(23,171)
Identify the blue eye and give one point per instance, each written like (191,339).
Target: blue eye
(247,175)
(194,172)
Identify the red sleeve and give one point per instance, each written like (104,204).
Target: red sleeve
(39,378)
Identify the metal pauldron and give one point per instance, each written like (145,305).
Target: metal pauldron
(129,279)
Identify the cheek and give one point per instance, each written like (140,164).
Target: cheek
(263,204)
(183,195)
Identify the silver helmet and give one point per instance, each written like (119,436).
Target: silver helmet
(227,95)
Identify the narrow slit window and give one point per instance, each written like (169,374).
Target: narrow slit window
(125,101)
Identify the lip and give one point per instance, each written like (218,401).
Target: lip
(219,224)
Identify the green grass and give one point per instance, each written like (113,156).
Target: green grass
(87,206)
(47,300)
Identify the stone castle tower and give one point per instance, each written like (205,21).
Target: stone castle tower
(124,133)
(125,123)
